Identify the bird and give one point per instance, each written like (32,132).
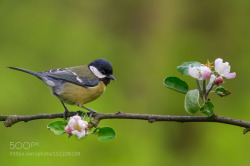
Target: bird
(77,85)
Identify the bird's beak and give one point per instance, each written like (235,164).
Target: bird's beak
(112,77)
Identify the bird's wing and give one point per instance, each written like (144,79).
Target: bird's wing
(68,74)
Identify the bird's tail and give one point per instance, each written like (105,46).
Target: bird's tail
(51,82)
(37,74)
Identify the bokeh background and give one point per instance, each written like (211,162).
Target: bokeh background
(145,41)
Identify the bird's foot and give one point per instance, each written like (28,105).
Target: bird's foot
(90,112)
(65,114)
(90,115)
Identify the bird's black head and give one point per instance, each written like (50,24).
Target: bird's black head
(102,69)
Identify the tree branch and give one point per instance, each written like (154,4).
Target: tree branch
(9,120)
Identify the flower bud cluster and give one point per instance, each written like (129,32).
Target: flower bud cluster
(221,69)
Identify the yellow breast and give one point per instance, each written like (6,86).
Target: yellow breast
(78,95)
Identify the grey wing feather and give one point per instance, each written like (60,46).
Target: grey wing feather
(70,77)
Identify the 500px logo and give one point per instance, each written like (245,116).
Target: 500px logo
(23,145)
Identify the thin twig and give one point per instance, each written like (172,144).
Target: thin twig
(209,91)
(199,87)
(204,87)
(9,120)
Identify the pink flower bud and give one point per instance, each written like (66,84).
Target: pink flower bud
(68,130)
(218,81)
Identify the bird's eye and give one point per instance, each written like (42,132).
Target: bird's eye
(103,71)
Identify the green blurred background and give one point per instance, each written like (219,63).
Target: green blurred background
(145,41)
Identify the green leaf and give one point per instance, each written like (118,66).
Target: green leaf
(105,133)
(96,129)
(192,101)
(183,68)
(221,91)
(176,84)
(208,109)
(57,127)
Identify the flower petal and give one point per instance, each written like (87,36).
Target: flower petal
(81,124)
(76,117)
(71,123)
(200,73)
(193,72)
(86,125)
(206,74)
(79,134)
(68,130)
(217,63)
(230,75)
(220,67)
(211,81)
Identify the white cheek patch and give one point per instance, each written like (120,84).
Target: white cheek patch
(96,72)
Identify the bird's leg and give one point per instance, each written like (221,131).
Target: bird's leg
(90,111)
(65,108)
(65,112)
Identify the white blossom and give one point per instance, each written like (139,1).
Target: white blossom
(223,69)
(200,73)
(76,126)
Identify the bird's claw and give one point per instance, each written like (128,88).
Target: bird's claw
(65,114)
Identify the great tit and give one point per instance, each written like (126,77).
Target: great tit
(77,85)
